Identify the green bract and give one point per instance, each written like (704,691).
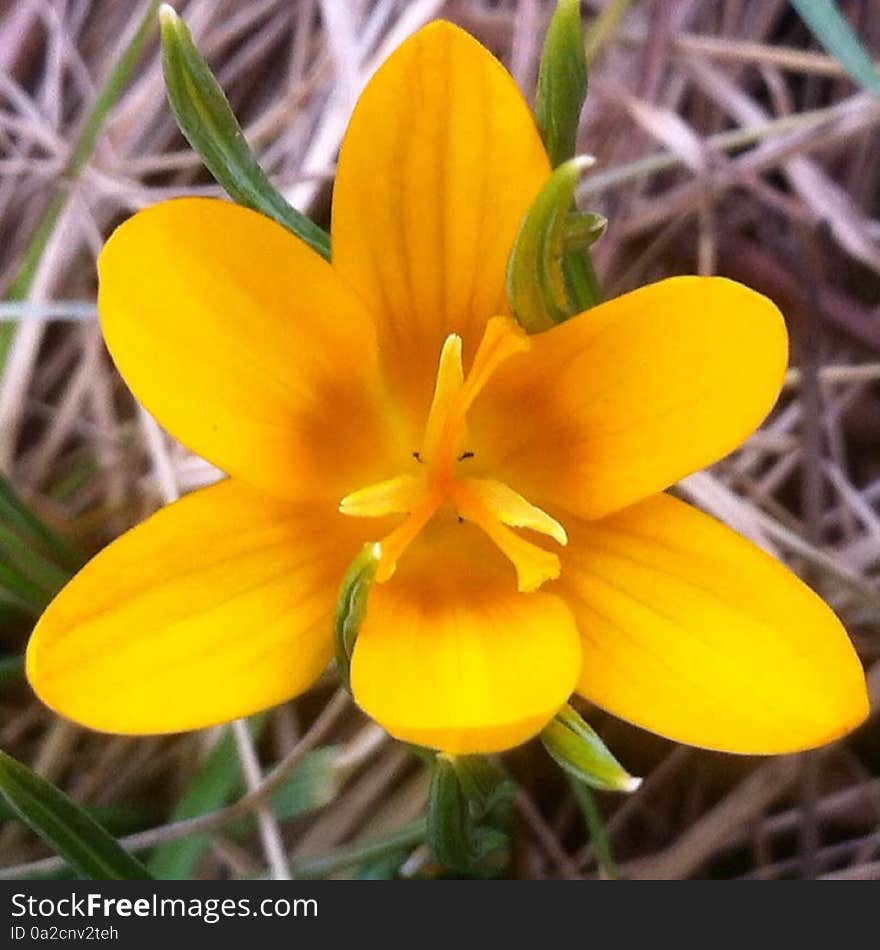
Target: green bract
(578,750)
(206,119)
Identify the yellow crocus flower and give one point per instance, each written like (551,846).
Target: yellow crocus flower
(514,482)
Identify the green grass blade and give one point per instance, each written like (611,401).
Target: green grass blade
(831,29)
(15,514)
(65,826)
(215,784)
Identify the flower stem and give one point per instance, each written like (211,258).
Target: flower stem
(596,828)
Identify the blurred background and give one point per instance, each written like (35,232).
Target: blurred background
(728,141)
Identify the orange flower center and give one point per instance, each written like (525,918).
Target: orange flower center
(490,504)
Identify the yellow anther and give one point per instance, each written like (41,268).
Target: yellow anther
(510,508)
(395,496)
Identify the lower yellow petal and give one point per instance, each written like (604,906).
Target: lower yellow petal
(452,657)
(216,607)
(694,633)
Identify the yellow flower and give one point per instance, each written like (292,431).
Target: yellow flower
(515,482)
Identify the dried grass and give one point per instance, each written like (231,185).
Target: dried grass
(727,143)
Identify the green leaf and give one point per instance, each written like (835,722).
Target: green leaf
(562,82)
(206,119)
(314,783)
(116,819)
(18,517)
(578,749)
(457,836)
(65,826)
(537,281)
(832,30)
(11,669)
(215,784)
(351,604)
(23,558)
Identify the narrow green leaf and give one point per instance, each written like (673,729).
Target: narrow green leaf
(65,826)
(11,669)
(456,836)
(215,784)
(578,749)
(18,516)
(832,30)
(562,82)
(484,784)
(314,783)
(22,557)
(21,590)
(116,819)
(206,119)
(82,150)
(351,604)
(537,285)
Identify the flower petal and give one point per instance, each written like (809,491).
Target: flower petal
(625,399)
(215,607)
(440,161)
(692,632)
(245,345)
(451,656)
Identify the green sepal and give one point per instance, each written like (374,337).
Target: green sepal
(206,119)
(582,754)
(562,82)
(462,835)
(485,784)
(583,229)
(537,279)
(351,604)
(89,849)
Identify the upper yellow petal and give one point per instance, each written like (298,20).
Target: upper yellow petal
(694,633)
(246,346)
(440,162)
(625,399)
(216,607)
(452,657)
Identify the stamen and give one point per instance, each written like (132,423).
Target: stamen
(404,534)
(533,564)
(510,508)
(396,496)
(502,339)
